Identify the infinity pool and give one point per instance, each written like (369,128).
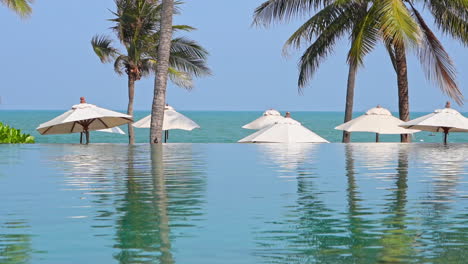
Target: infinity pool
(234,203)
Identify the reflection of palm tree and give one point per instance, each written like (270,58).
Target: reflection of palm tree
(161,202)
(397,241)
(154,203)
(299,236)
(138,233)
(15,248)
(358,225)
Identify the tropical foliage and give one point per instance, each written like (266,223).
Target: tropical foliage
(11,135)
(137,26)
(21,7)
(397,23)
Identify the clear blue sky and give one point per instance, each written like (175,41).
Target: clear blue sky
(47,63)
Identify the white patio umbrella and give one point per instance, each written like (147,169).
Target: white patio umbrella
(376,120)
(83,118)
(269,117)
(115,130)
(441,120)
(172,120)
(286,130)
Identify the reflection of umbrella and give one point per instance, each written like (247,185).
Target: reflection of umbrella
(287,156)
(172,120)
(83,118)
(376,120)
(269,117)
(286,130)
(115,130)
(442,120)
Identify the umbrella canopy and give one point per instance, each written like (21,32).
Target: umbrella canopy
(376,120)
(172,120)
(115,130)
(286,130)
(269,117)
(441,120)
(83,117)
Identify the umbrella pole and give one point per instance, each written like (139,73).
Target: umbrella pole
(87,137)
(81,137)
(446,131)
(377,137)
(165,136)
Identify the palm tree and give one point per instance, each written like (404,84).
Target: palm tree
(368,21)
(451,17)
(400,25)
(162,67)
(327,26)
(21,7)
(137,28)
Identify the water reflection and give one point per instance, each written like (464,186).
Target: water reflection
(358,222)
(443,203)
(141,192)
(397,240)
(158,194)
(309,228)
(445,167)
(353,203)
(382,229)
(288,157)
(15,243)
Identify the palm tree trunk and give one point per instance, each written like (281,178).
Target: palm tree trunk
(349,100)
(402,77)
(160,82)
(131,93)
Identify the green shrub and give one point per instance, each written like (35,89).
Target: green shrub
(13,136)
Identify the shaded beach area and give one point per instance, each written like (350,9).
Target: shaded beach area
(216,127)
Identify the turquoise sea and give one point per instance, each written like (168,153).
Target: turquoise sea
(188,203)
(216,127)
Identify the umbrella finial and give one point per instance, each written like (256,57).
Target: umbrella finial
(288,114)
(82,100)
(447,105)
(378,106)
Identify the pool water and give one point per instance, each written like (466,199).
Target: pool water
(234,203)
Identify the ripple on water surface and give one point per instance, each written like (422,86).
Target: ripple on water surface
(234,203)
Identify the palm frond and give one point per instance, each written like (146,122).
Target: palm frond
(397,24)
(137,25)
(148,66)
(185,28)
(181,79)
(196,67)
(317,23)
(451,17)
(283,10)
(120,64)
(188,47)
(20,7)
(364,37)
(102,46)
(436,62)
(320,49)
